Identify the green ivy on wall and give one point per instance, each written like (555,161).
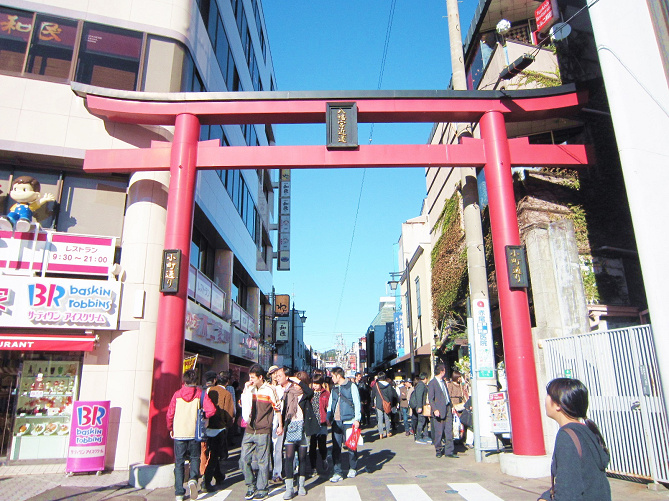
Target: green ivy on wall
(449,263)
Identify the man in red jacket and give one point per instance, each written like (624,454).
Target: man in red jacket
(181,422)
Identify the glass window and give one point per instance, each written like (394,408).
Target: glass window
(418,296)
(222,47)
(109,57)
(52,47)
(15,29)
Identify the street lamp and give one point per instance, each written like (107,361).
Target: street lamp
(393,286)
(303,318)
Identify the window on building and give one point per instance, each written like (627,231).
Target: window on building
(109,57)
(15,29)
(417,280)
(202,254)
(52,47)
(239,291)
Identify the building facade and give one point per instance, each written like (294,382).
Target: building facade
(582,240)
(101,345)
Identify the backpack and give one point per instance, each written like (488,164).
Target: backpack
(413,403)
(201,421)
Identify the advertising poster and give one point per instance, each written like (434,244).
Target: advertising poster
(499,411)
(88,436)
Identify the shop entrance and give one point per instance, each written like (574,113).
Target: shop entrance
(494,152)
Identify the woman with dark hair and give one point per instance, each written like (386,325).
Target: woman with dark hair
(319,402)
(578,471)
(299,416)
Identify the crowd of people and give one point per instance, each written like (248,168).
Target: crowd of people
(286,418)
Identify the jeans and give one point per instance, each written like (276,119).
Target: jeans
(185,449)
(277,454)
(338,437)
(255,449)
(382,417)
(216,446)
(405,417)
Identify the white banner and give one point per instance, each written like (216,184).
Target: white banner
(483,347)
(59,303)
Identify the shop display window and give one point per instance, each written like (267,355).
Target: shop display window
(52,47)
(46,389)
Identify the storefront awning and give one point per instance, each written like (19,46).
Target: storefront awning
(31,342)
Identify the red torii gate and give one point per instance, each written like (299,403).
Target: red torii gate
(494,152)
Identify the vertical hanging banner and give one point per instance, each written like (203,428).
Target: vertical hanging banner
(283,261)
(483,343)
(88,436)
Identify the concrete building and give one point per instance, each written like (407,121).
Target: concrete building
(585,233)
(48,47)
(414,313)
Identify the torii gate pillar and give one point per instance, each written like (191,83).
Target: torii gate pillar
(513,305)
(169,350)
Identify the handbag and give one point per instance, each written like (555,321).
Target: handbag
(467,419)
(387,408)
(427,410)
(295,430)
(354,439)
(201,421)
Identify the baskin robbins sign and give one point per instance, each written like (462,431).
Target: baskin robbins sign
(88,436)
(59,303)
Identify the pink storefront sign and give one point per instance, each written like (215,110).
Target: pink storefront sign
(88,436)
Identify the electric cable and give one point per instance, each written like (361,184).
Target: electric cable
(386,43)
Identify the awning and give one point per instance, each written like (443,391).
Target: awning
(31,342)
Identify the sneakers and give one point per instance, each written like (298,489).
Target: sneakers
(261,495)
(193,491)
(336,478)
(351,474)
(179,498)
(250,492)
(422,441)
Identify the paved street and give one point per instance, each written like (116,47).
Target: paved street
(392,469)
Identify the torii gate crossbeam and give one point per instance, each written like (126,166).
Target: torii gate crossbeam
(495,152)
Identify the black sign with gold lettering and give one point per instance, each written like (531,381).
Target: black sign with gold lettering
(516,263)
(342,125)
(169,274)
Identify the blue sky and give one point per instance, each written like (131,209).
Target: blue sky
(326,45)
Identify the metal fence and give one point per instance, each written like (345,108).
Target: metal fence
(620,369)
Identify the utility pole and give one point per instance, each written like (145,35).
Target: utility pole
(475,245)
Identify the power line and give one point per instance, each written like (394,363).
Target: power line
(386,43)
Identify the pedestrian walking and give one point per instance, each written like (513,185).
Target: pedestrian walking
(417,402)
(404,390)
(365,397)
(442,414)
(318,442)
(300,424)
(384,397)
(215,447)
(343,414)
(229,432)
(277,440)
(182,415)
(259,405)
(580,457)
